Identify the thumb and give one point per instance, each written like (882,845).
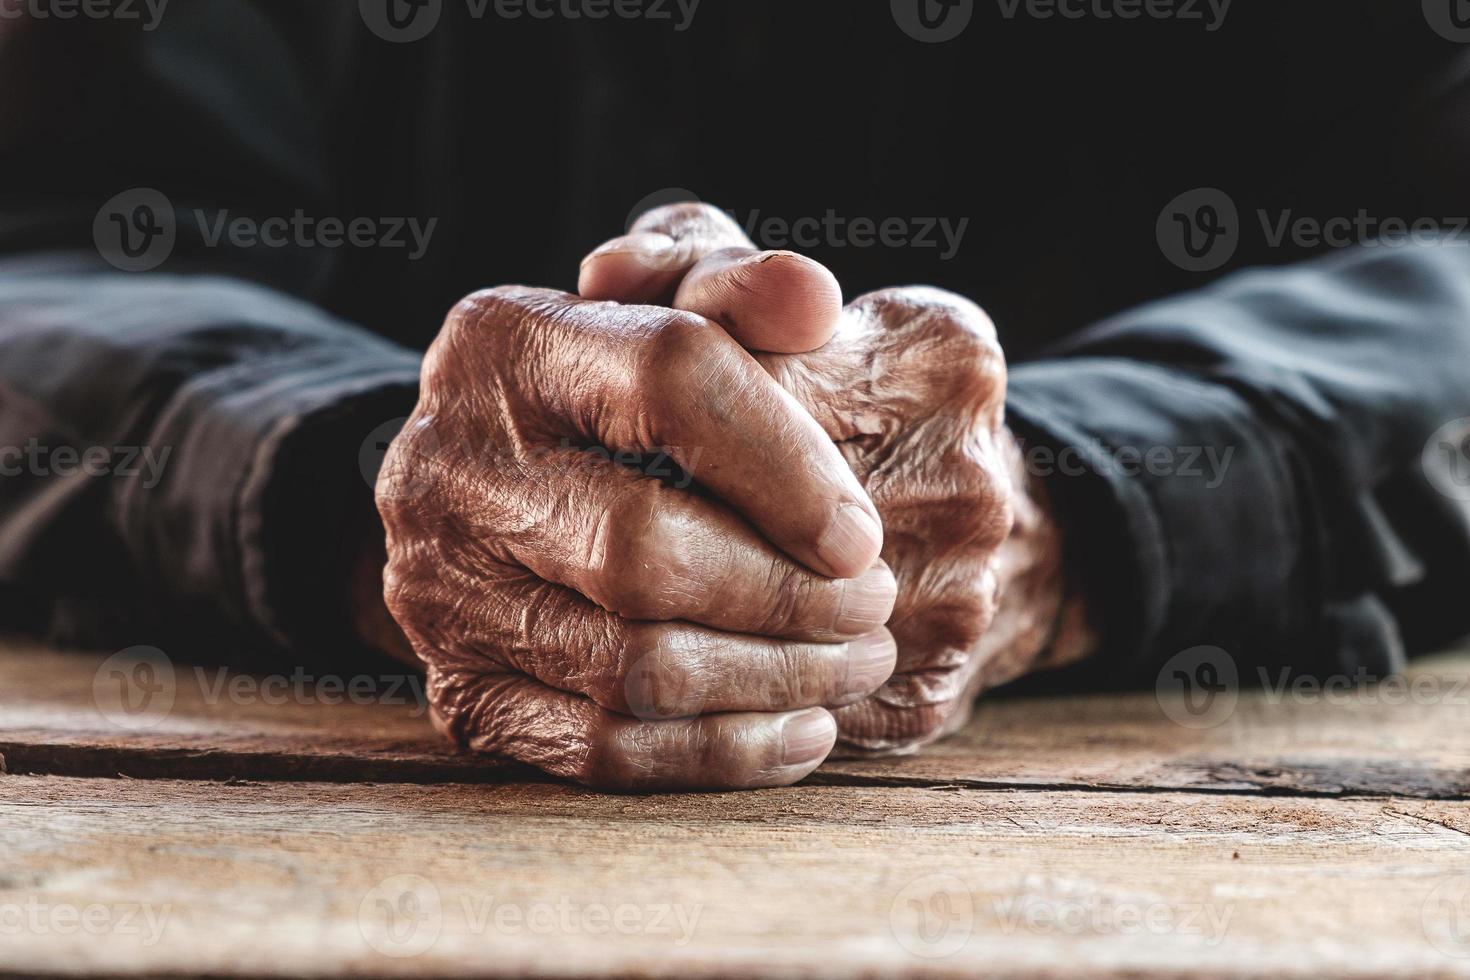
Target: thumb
(694,257)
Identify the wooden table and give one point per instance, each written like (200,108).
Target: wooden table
(247,827)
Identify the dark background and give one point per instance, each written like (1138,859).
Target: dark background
(530,140)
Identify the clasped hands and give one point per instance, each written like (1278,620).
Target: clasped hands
(847,552)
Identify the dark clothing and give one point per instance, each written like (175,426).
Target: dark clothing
(271,374)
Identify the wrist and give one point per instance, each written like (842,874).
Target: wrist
(1042,620)
(371,621)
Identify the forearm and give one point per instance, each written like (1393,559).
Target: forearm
(250,406)
(1284,511)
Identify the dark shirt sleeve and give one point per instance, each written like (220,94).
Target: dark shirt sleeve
(187,451)
(1274,465)
(185,458)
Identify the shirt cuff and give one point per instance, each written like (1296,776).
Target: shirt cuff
(268,491)
(1182,513)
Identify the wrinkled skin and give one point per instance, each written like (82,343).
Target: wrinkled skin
(911,387)
(604,624)
(641,634)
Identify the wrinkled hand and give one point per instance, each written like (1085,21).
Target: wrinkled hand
(911,387)
(622,627)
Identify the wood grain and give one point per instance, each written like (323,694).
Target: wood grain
(309,879)
(1403,741)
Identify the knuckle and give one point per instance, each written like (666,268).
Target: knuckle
(674,346)
(408,470)
(625,755)
(635,557)
(966,350)
(481,323)
(799,601)
(658,680)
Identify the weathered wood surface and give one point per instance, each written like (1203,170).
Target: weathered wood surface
(1305,835)
(59,714)
(341,879)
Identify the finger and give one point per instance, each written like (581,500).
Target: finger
(652,670)
(768,301)
(902,355)
(571,737)
(646,265)
(696,258)
(649,551)
(908,711)
(636,378)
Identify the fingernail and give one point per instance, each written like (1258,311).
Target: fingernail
(807,737)
(851,542)
(870,661)
(650,248)
(867,601)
